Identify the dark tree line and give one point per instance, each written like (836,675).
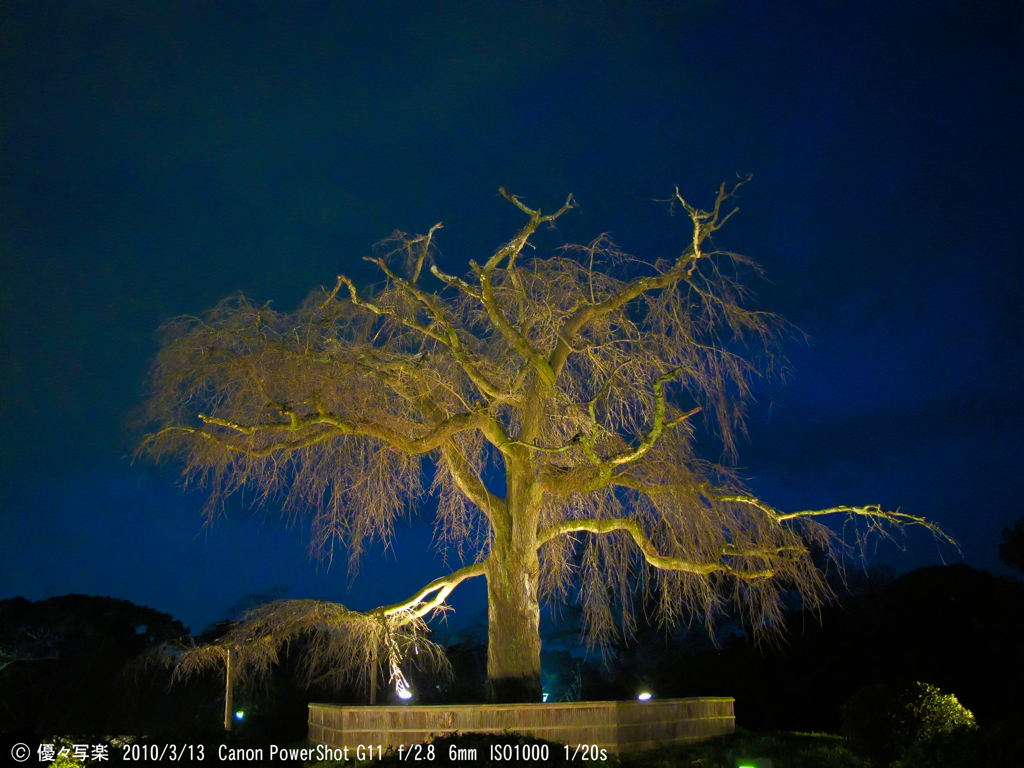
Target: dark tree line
(72,664)
(1011,551)
(82,665)
(63,664)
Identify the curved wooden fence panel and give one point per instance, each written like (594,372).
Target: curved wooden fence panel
(617,726)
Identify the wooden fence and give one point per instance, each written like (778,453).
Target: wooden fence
(616,726)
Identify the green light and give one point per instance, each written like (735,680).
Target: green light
(239,714)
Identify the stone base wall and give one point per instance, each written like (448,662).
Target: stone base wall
(616,726)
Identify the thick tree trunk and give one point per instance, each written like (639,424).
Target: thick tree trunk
(513,642)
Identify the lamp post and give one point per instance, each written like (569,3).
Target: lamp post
(228,686)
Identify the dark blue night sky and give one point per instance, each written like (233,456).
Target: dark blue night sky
(157,157)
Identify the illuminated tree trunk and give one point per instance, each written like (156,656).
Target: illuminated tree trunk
(513,642)
(513,608)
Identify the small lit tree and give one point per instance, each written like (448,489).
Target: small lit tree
(554,401)
(883,722)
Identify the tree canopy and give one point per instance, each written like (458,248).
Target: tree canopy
(553,401)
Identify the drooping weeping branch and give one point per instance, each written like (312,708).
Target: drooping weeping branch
(340,645)
(337,646)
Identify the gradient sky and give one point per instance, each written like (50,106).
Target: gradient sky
(157,157)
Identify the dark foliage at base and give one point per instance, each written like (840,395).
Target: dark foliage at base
(485,750)
(967,748)
(77,665)
(792,750)
(952,626)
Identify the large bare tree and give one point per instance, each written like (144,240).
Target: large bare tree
(555,402)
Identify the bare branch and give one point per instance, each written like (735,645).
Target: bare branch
(704,224)
(522,345)
(515,247)
(471,486)
(874,513)
(377,310)
(434,437)
(449,337)
(334,292)
(424,252)
(486,294)
(261,452)
(655,432)
(650,553)
(418,606)
(455,282)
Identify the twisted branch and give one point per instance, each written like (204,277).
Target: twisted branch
(650,552)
